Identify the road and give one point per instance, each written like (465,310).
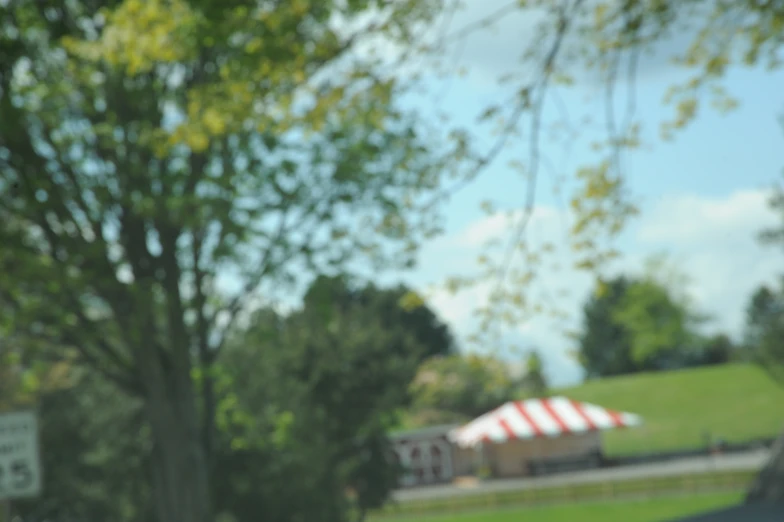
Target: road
(741,461)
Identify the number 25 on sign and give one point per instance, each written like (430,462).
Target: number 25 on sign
(20,462)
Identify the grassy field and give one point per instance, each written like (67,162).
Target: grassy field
(735,402)
(650,510)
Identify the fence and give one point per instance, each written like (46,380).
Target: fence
(663,456)
(593,491)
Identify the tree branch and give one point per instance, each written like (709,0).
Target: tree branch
(235,306)
(125,377)
(539,88)
(55,240)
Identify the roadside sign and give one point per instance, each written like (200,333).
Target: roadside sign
(20,462)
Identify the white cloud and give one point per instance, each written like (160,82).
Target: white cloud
(543,222)
(458,309)
(715,240)
(710,240)
(496,49)
(689,219)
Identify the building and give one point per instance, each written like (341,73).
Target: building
(426,454)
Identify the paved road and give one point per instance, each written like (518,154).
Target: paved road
(741,461)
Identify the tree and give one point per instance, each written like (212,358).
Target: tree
(328,386)
(764,330)
(716,349)
(398,307)
(604,345)
(151,147)
(93,454)
(765,310)
(660,328)
(534,381)
(464,386)
(632,326)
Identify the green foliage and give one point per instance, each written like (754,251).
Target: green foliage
(148,147)
(725,34)
(764,330)
(397,307)
(316,393)
(718,349)
(93,447)
(308,395)
(187,146)
(465,385)
(605,345)
(534,382)
(657,325)
(639,325)
(765,309)
(23,380)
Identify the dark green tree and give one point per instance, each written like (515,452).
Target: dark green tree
(392,306)
(763,340)
(604,345)
(534,381)
(765,330)
(94,454)
(716,349)
(632,326)
(765,310)
(317,392)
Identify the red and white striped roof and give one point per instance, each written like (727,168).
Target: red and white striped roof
(550,417)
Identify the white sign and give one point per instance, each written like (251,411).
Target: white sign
(20,462)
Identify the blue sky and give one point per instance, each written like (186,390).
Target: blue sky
(702,196)
(717,155)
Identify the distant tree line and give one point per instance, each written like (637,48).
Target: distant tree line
(632,325)
(636,325)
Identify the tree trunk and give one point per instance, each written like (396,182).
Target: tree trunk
(180,476)
(768,486)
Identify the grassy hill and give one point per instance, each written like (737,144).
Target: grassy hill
(735,402)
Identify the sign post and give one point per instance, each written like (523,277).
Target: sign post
(20,461)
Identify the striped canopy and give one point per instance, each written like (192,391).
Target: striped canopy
(550,417)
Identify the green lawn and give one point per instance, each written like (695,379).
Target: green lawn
(653,510)
(574,494)
(736,402)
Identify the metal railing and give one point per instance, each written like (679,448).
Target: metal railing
(585,492)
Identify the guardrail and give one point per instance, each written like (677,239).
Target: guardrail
(593,491)
(729,448)
(548,466)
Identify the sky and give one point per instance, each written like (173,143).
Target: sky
(702,196)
